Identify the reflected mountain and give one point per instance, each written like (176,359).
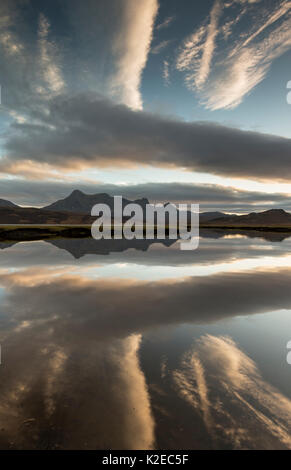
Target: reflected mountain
(88,246)
(4,245)
(277,235)
(211,252)
(78,243)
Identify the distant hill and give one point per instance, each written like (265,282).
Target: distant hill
(79,247)
(15,215)
(79,202)
(22,215)
(206,216)
(272,217)
(4,203)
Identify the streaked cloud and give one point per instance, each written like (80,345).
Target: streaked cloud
(209,45)
(166,72)
(226,58)
(48,59)
(158,48)
(131,49)
(167,21)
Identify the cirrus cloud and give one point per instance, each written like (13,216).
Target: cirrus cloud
(226,58)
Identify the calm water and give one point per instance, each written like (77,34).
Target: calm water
(107,346)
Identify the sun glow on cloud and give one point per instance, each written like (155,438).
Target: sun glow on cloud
(132,48)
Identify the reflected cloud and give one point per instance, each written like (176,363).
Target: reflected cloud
(116,308)
(82,395)
(238,407)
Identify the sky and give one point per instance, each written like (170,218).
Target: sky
(168,99)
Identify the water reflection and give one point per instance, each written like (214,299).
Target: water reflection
(169,362)
(225,390)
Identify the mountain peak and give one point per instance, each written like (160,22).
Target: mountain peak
(5,203)
(276,211)
(82,203)
(77,192)
(269,218)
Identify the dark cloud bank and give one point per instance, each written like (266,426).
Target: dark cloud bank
(91,130)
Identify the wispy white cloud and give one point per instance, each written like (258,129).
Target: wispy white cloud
(209,45)
(31,64)
(160,47)
(131,49)
(167,21)
(48,59)
(223,69)
(278,13)
(8,39)
(166,72)
(197,53)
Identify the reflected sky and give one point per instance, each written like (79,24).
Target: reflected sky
(157,349)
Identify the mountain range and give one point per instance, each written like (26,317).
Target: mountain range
(80,203)
(76,209)
(269,218)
